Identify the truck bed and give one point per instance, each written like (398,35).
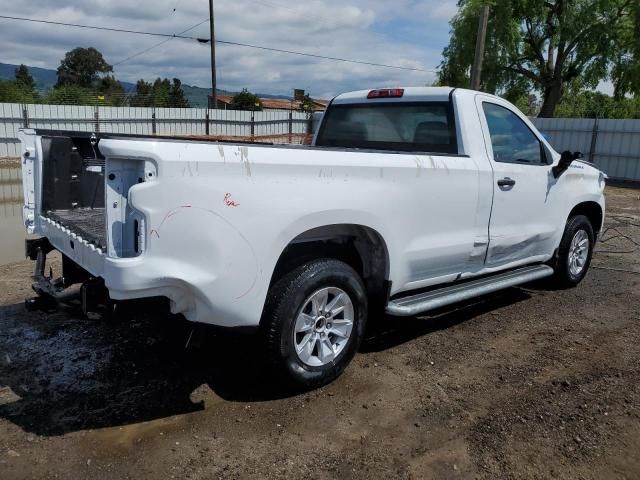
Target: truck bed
(89,223)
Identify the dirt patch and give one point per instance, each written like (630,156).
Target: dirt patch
(526,384)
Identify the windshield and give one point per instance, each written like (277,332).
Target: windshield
(414,127)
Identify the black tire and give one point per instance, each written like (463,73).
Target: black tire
(285,301)
(564,276)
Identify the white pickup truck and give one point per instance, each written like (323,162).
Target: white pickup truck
(408,200)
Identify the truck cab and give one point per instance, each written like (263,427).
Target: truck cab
(499,186)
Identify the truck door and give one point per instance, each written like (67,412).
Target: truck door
(521,228)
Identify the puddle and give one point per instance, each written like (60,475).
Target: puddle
(12,232)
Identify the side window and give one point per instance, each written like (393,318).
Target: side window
(512,140)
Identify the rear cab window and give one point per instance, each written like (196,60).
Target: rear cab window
(404,127)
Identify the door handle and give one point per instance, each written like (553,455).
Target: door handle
(506,182)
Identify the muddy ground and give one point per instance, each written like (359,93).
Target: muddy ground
(527,384)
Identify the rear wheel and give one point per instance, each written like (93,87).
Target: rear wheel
(314,321)
(575,252)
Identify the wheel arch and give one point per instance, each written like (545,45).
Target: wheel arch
(593,211)
(360,246)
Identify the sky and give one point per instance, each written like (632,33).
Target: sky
(407,33)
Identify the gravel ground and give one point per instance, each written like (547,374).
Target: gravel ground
(526,384)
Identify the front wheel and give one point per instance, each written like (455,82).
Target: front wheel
(575,252)
(314,321)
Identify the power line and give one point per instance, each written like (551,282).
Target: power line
(224,42)
(159,44)
(95,27)
(323,57)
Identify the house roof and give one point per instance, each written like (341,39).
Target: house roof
(279,103)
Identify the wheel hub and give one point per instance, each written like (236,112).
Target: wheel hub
(324,326)
(321,324)
(579,252)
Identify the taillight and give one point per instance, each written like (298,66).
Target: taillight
(386,93)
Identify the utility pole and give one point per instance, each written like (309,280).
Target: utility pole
(214,85)
(476,71)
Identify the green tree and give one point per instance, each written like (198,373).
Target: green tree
(162,93)
(177,98)
(20,90)
(72,95)
(307,105)
(10,92)
(538,45)
(587,104)
(245,100)
(81,67)
(626,71)
(142,97)
(24,78)
(112,91)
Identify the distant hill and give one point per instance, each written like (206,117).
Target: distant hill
(46,79)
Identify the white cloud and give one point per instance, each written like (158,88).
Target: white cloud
(442,11)
(355,29)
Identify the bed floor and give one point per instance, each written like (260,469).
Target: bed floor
(89,223)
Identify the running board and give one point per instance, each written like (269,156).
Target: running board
(423,302)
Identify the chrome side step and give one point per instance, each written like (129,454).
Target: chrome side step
(423,302)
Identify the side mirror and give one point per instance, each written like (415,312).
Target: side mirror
(566,159)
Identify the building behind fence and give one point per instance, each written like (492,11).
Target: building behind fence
(613,145)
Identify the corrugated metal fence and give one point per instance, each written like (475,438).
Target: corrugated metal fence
(613,145)
(271,126)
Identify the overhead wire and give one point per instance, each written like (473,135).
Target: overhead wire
(223,42)
(337,59)
(96,27)
(141,52)
(130,57)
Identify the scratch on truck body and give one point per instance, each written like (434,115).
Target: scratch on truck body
(244,155)
(419,166)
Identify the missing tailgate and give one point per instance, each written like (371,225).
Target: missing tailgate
(73,186)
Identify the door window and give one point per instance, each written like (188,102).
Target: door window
(511,138)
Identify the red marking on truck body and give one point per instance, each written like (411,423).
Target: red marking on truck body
(228,202)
